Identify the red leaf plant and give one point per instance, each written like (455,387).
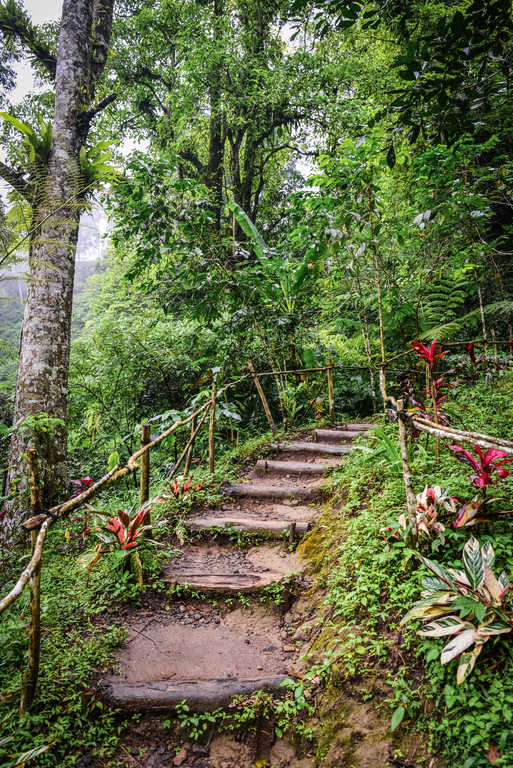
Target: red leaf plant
(82,485)
(181,485)
(124,534)
(484,465)
(431,355)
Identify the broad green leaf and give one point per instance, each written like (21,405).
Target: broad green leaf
(473,562)
(21,127)
(438,570)
(494,627)
(488,553)
(433,583)
(113,461)
(248,228)
(420,609)
(397,717)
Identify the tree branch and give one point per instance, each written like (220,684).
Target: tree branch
(99,108)
(15,24)
(191,157)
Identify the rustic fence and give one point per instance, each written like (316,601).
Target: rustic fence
(41,519)
(410,421)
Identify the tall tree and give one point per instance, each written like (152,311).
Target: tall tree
(83,44)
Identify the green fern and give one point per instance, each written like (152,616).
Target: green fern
(496,313)
(446,297)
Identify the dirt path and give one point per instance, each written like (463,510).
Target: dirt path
(206,650)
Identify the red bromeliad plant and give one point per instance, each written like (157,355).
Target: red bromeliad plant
(484,465)
(122,536)
(181,485)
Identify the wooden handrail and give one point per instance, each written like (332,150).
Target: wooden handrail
(385,363)
(42,522)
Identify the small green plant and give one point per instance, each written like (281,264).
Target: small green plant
(195,723)
(385,451)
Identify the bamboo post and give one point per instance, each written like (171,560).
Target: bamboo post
(483,321)
(187,451)
(188,456)
(29,684)
(331,400)
(495,361)
(211,426)
(263,399)
(410,496)
(145,466)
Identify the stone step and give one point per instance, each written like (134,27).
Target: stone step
(205,659)
(269,528)
(359,426)
(331,449)
(253,491)
(211,568)
(201,695)
(334,435)
(291,467)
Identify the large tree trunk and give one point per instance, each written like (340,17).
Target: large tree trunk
(214,171)
(41,386)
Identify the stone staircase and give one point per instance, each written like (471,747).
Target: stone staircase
(205,651)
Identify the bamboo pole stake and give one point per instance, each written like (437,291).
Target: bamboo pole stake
(189,448)
(331,400)
(451,434)
(483,321)
(29,684)
(263,398)
(492,332)
(144,494)
(211,426)
(410,496)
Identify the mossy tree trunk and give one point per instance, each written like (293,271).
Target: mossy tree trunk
(42,380)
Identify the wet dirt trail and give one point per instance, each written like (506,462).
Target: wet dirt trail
(221,639)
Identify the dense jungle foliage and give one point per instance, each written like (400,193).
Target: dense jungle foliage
(284,183)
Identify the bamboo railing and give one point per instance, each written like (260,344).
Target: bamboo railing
(440,431)
(41,520)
